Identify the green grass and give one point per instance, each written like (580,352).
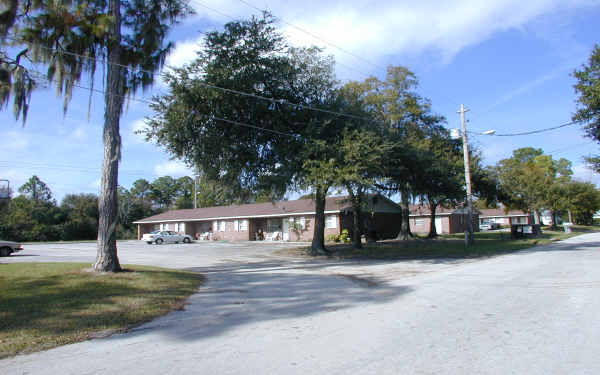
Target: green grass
(44,305)
(446,246)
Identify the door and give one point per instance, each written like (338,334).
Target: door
(438,225)
(286,229)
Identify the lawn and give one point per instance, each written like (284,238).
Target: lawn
(44,305)
(446,246)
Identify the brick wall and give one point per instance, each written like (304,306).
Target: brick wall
(387,225)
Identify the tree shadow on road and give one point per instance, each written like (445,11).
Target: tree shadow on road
(239,293)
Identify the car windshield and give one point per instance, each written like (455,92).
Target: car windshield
(154,232)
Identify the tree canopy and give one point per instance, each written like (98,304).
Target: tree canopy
(127,38)
(587,89)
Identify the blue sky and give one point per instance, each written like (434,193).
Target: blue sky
(509,62)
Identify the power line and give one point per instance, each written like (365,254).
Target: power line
(212,117)
(318,38)
(62,167)
(208,85)
(341,49)
(234,18)
(529,132)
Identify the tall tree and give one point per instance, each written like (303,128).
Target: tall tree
(36,190)
(251,145)
(406,119)
(81,212)
(185,193)
(529,177)
(127,37)
(360,165)
(582,199)
(141,189)
(588,101)
(164,191)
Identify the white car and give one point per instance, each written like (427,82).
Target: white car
(161,236)
(9,247)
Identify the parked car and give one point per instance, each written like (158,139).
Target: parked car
(9,247)
(161,236)
(489,226)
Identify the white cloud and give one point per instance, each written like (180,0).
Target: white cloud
(376,30)
(95,184)
(13,141)
(79,133)
(582,173)
(184,52)
(134,127)
(172,168)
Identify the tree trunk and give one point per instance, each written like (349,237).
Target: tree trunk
(432,230)
(553,219)
(106,256)
(318,241)
(571,217)
(356,220)
(537,217)
(405,225)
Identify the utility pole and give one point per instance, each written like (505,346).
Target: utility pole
(469,232)
(195,190)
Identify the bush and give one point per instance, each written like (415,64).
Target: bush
(333,238)
(345,236)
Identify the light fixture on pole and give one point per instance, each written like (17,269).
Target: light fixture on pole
(469,231)
(454,134)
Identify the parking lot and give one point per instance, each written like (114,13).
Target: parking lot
(197,254)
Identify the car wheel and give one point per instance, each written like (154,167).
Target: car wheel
(159,241)
(186,240)
(149,242)
(4,252)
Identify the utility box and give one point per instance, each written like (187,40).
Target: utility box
(518,231)
(568,227)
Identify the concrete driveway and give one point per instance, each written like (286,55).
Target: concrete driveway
(532,312)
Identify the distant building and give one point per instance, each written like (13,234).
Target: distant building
(499,216)
(285,220)
(447,220)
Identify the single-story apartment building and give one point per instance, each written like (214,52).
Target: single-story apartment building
(447,220)
(285,220)
(499,216)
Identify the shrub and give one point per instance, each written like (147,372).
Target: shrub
(345,236)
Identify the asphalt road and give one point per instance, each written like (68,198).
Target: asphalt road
(532,312)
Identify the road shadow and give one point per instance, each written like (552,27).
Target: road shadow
(239,293)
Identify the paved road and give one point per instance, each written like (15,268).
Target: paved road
(532,312)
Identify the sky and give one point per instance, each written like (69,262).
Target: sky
(509,62)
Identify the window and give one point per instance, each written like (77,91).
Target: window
(419,222)
(243,225)
(300,222)
(274,225)
(331,221)
(520,220)
(222,225)
(215,226)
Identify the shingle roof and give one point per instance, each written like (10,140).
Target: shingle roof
(247,210)
(500,212)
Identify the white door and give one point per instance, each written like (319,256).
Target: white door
(438,225)
(286,229)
